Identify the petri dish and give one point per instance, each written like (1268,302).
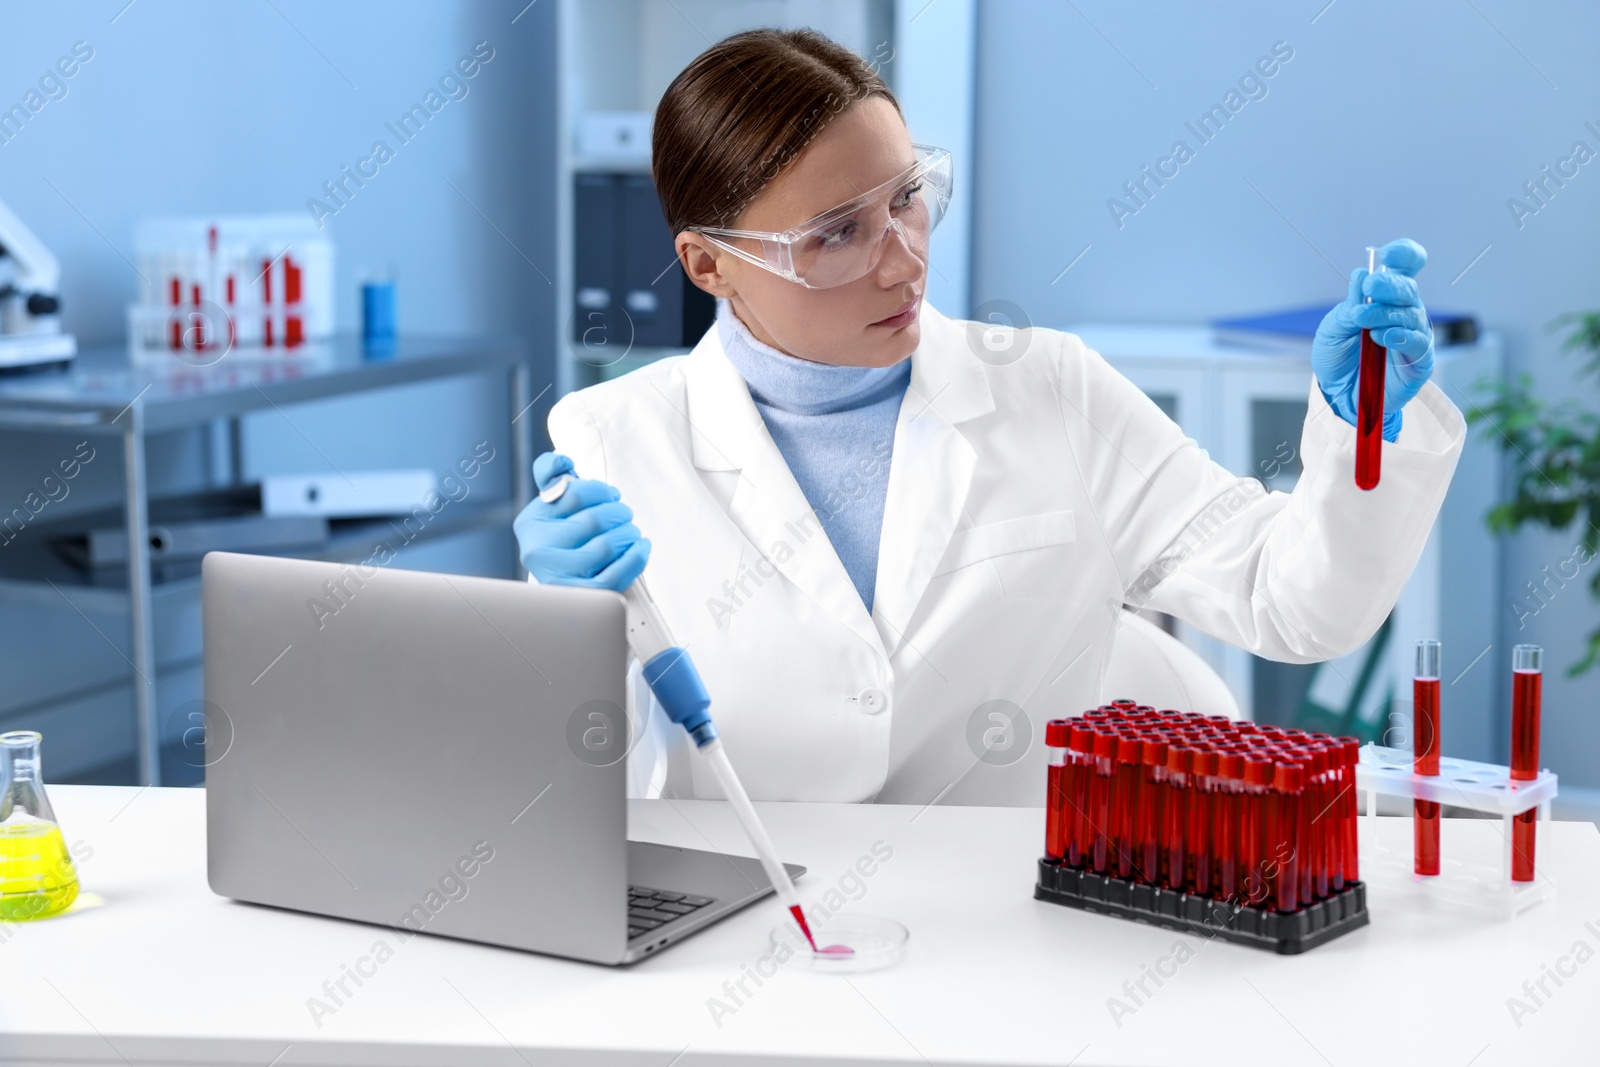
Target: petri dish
(846,944)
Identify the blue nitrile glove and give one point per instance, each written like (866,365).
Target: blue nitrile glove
(586,537)
(1399,323)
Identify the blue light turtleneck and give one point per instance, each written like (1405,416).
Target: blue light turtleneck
(835,428)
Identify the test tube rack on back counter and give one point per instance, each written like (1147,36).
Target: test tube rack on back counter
(1202,823)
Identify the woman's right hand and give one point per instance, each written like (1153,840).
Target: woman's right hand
(585,537)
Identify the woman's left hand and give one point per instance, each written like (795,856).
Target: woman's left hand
(1398,322)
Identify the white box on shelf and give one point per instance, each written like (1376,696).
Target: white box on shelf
(338,496)
(615,135)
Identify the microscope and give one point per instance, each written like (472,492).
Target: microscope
(30,299)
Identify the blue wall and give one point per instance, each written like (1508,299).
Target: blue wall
(1418,119)
(191,107)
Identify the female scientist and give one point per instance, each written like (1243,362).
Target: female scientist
(867,521)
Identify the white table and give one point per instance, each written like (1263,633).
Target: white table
(163,971)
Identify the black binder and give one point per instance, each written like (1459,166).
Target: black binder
(629,286)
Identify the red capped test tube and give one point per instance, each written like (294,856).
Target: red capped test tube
(1330,816)
(1349,855)
(1148,831)
(1126,787)
(1055,808)
(1285,841)
(1225,823)
(1425,755)
(1098,813)
(1252,826)
(1527,683)
(1369,397)
(1181,795)
(1200,871)
(1314,811)
(1080,751)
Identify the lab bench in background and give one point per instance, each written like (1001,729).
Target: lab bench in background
(104,399)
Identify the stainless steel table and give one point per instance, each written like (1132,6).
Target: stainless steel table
(102,394)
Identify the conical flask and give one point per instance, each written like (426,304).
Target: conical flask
(37,878)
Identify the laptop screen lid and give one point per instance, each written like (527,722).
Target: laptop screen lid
(417,749)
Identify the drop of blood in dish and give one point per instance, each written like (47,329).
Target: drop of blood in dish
(836,950)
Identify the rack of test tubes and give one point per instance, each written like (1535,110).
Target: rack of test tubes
(1240,831)
(261,284)
(1520,794)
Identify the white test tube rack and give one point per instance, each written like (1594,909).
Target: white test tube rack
(1487,787)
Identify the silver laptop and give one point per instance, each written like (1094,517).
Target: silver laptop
(439,754)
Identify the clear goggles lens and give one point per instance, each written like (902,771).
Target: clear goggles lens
(843,244)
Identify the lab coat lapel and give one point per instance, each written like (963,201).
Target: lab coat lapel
(768,505)
(931,471)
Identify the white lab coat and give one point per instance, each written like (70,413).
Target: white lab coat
(1029,500)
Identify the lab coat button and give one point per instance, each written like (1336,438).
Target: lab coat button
(872,700)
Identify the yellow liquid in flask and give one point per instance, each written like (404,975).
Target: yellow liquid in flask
(37,878)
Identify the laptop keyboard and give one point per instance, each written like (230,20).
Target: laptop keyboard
(650,908)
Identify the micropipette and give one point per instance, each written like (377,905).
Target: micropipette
(672,677)
(1369,397)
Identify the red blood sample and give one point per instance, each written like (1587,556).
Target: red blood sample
(1373,369)
(1527,681)
(1098,813)
(1081,755)
(175,291)
(1055,807)
(1180,795)
(1369,411)
(1147,832)
(1425,748)
(266,301)
(197,319)
(1200,873)
(1252,827)
(1125,799)
(1288,785)
(1315,823)
(1350,749)
(1225,824)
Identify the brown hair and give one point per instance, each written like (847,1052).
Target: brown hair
(744,108)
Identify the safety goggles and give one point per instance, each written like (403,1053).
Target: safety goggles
(844,243)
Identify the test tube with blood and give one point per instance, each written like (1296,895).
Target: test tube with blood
(1304,851)
(1374,367)
(1151,804)
(1180,796)
(1080,754)
(1124,800)
(1200,872)
(1099,810)
(1350,860)
(1055,740)
(1252,818)
(1328,818)
(1288,785)
(1225,823)
(1313,863)
(1527,682)
(1425,756)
